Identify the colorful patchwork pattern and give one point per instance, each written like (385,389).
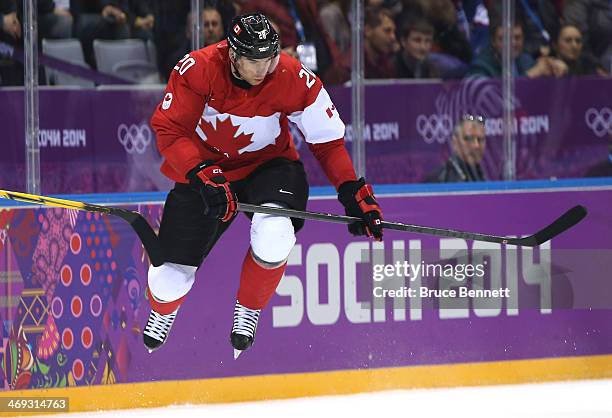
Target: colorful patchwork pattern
(71,284)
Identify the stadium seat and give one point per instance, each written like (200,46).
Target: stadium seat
(126,58)
(140,72)
(152,52)
(70,51)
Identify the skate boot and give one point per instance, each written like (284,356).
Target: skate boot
(243,331)
(158,325)
(157,329)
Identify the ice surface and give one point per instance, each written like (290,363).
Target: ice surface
(577,399)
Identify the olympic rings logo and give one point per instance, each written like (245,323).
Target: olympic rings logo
(135,138)
(599,121)
(435,128)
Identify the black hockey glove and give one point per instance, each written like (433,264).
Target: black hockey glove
(358,200)
(219,199)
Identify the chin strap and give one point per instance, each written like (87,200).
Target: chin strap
(236,73)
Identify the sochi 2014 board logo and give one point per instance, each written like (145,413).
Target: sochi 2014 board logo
(599,121)
(434,128)
(134,138)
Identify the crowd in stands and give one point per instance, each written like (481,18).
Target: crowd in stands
(454,39)
(445,39)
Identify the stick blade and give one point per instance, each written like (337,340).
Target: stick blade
(139,224)
(149,239)
(560,225)
(51,201)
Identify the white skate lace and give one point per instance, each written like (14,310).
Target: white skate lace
(159,325)
(245,320)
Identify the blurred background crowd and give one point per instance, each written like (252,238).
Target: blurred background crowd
(404,39)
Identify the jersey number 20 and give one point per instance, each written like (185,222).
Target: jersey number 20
(310,77)
(183,65)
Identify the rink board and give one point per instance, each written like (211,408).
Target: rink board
(73,307)
(100,140)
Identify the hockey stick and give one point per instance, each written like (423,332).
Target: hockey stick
(561,224)
(151,243)
(139,224)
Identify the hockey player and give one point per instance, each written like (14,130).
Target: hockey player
(222,128)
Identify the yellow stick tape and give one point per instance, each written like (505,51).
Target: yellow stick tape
(281,386)
(42,200)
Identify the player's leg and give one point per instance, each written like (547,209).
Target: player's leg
(186,237)
(280,183)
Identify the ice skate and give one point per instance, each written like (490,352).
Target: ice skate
(243,330)
(156,331)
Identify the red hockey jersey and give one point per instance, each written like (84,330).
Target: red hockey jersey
(205,116)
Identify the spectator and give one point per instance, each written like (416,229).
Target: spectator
(100,19)
(449,37)
(477,17)
(10,24)
(393,6)
(334,18)
(227,8)
(540,23)
(216,17)
(604,168)
(468,146)
(380,43)
(212,29)
(11,71)
(54,22)
(301,29)
(143,20)
(594,19)
(212,26)
(54,19)
(568,48)
(173,31)
(489,64)
(412,61)
(169,33)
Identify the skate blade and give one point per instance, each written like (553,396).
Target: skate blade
(237,353)
(150,350)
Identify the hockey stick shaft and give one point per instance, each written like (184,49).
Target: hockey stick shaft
(153,247)
(139,224)
(561,224)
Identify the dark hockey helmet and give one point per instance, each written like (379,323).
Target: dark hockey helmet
(252,36)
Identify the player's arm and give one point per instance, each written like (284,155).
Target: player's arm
(175,120)
(176,117)
(320,123)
